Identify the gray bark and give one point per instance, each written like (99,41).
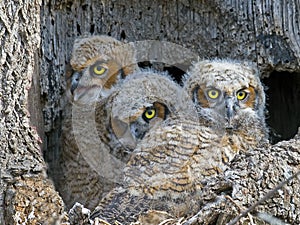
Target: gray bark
(36,42)
(24,187)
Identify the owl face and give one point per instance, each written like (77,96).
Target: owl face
(225,104)
(143,101)
(96,80)
(131,130)
(99,63)
(226,93)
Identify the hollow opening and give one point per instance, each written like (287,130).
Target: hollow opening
(175,71)
(283,104)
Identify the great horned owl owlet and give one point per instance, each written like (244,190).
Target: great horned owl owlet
(100,63)
(167,169)
(104,134)
(230,97)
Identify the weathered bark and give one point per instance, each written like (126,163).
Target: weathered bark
(26,195)
(266,32)
(252,176)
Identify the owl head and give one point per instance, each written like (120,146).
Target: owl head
(99,63)
(144,100)
(228,93)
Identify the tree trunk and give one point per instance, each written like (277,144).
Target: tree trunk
(36,42)
(25,190)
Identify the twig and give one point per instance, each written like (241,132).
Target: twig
(270,219)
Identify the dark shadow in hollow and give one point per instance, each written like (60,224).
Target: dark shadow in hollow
(175,71)
(283,104)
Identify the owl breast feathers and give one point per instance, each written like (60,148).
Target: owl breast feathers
(99,138)
(165,172)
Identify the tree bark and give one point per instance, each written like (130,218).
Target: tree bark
(25,190)
(36,42)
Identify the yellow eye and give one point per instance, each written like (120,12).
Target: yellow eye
(149,114)
(213,93)
(99,70)
(241,95)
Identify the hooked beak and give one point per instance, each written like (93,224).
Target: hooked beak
(123,133)
(83,93)
(230,110)
(75,81)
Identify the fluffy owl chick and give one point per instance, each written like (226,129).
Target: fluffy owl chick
(99,63)
(165,172)
(105,133)
(230,97)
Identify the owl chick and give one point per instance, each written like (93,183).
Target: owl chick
(230,97)
(103,134)
(144,100)
(99,63)
(166,171)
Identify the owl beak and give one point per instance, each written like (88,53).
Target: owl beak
(75,81)
(83,93)
(123,133)
(230,110)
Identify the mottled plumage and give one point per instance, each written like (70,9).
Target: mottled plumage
(104,133)
(99,64)
(166,170)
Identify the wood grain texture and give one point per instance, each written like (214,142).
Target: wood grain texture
(37,38)
(21,162)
